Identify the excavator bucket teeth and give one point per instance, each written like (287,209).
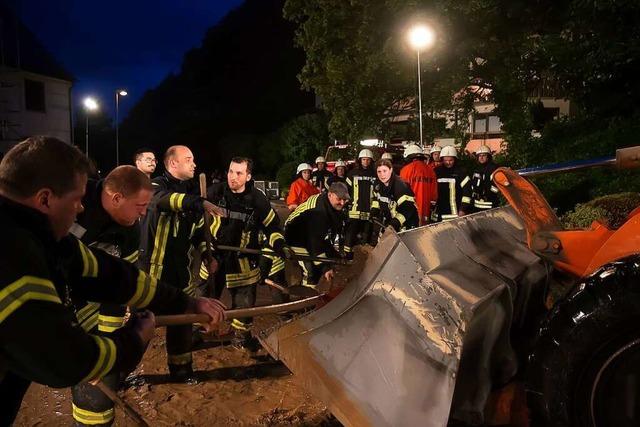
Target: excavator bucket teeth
(420,334)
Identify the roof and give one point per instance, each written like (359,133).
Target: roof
(20,48)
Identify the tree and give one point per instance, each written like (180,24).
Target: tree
(505,51)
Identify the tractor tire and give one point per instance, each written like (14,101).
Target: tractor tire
(585,365)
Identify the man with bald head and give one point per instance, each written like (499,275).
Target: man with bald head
(174,215)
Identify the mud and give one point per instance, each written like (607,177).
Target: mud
(235,387)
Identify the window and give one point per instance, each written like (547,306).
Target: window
(34,95)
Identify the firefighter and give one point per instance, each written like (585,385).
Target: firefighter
(454,187)
(42,268)
(339,173)
(302,188)
(393,202)
(247,213)
(313,228)
(109,222)
(484,192)
(169,228)
(321,174)
(434,156)
(422,181)
(360,181)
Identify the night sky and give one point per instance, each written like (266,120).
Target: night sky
(130,44)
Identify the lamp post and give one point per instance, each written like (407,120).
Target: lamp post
(420,37)
(90,105)
(119,93)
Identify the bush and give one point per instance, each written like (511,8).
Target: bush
(285,176)
(610,210)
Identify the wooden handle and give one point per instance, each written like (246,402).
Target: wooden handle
(187,319)
(137,418)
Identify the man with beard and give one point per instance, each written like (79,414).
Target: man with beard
(247,213)
(312,230)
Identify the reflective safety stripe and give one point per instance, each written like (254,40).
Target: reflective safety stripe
(273,237)
(244,239)
(449,216)
(179,359)
(452,195)
(384,199)
(464,181)
(481,204)
(145,290)
(243,279)
(276,266)
(90,321)
(299,250)
(240,325)
(406,198)
(191,290)
(270,216)
(106,358)
(89,261)
(494,189)
(204,273)
(322,255)
(175,201)
(215,225)
(132,258)
(24,289)
(87,311)
(375,204)
(466,199)
(87,417)
(109,323)
(159,245)
(347,249)
(359,215)
(401,219)
(310,203)
(240,216)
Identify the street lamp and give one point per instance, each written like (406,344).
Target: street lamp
(90,105)
(119,93)
(421,37)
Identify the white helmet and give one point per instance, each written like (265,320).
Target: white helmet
(449,151)
(386,156)
(483,149)
(303,167)
(435,149)
(320,159)
(413,150)
(365,153)
(340,164)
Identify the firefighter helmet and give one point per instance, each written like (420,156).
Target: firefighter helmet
(340,164)
(365,153)
(303,167)
(320,159)
(483,149)
(386,156)
(435,149)
(413,150)
(449,151)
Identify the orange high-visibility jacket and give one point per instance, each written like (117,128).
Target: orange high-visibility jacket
(422,180)
(300,191)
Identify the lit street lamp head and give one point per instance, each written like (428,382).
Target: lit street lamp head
(421,37)
(90,104)
(122,92)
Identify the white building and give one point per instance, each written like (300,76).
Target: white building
(35,91)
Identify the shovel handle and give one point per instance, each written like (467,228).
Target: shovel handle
(187,319)
(137,418)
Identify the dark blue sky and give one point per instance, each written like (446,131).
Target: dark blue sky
(131,44)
